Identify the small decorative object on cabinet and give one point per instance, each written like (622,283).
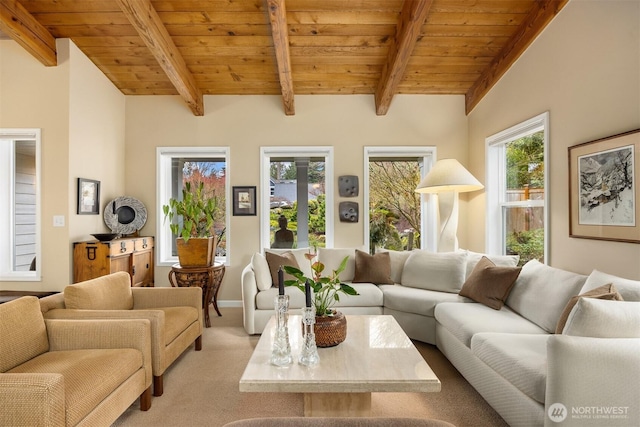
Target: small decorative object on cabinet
(93,259)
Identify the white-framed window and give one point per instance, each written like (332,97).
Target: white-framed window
(391,175)
(517,190)
(296,183)
(177,165)
(20,219)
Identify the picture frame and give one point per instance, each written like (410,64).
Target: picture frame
(88,197)
(244,200)
(603,192)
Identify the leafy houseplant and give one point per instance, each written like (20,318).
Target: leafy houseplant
(198,212)
(325,289)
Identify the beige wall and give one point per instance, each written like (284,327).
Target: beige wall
(585,70)
(82,120)
(245,123)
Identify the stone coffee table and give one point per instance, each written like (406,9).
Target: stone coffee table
(377,356)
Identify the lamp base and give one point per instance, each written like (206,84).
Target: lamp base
(448,212)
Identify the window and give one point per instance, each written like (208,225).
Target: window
(516,196)
(20,192)
(397,217)
(297,210)
(179,165)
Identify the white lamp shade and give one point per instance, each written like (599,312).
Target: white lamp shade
(448,175)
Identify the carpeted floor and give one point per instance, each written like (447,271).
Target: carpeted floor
(201,388)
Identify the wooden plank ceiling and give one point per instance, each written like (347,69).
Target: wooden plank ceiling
(193,48)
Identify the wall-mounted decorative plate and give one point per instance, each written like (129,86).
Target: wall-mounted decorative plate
(348,185)
(125,215)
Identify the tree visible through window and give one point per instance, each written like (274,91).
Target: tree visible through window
(394,206)
(524,225)
(515,190)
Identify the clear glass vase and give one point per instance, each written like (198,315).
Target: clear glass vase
(281,350)
(309,354)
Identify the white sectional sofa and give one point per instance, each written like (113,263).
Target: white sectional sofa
(585,375)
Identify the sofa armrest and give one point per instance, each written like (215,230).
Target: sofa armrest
(595,379)
(113,333)
(249,293)
(155,317)
(32,399)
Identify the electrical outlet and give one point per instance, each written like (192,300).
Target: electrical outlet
(58,220)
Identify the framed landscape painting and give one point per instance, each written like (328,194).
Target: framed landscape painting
(603,193)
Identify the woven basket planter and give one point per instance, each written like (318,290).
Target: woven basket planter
(330,330)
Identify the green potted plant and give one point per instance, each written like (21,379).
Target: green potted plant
(331,325)
(196,237)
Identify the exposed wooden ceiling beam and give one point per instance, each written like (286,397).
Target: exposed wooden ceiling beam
(542,13)
(280,34)
(147,23)
(21,26)
(412,17)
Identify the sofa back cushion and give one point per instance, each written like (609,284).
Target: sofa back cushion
(332,257)
(540,293)
(397,258)
(23,334)
(261,270)
(600,318)
(436,271)
(629,289)
(110,292)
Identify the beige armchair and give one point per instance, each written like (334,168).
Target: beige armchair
(175,314)
(69,373)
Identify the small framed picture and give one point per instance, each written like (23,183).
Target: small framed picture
(88,197)
(244,200)
(603,190)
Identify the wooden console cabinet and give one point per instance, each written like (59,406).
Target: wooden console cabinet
(134,255)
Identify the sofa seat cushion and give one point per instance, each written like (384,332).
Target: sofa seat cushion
(466,320)
(370,296)
(90,376)
(176,320)
(520,359)
(416,301)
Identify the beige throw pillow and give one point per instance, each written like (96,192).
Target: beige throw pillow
(374,269)
(608,292)
(277,260)
(488,284)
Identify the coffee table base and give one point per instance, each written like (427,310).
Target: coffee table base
(337,404)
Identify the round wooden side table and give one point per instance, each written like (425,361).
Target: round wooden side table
(208,278)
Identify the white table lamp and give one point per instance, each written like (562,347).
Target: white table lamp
(448,178)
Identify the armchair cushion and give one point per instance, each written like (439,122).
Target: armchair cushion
(112,292)
(23,335)
(177,320)
(90,376)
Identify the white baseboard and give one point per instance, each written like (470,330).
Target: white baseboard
(230,303)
